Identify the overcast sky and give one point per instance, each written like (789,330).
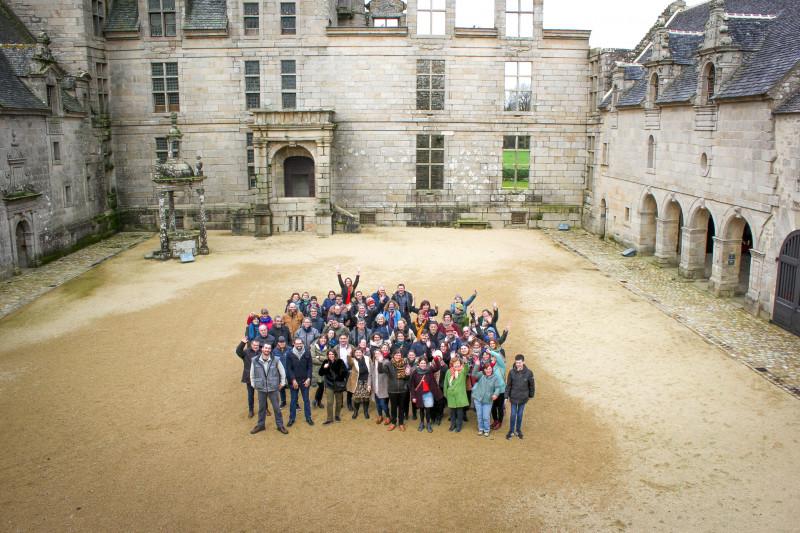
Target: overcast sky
(614,23)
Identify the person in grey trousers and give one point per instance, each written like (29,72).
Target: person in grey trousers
(268,377)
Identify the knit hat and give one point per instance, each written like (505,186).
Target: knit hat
(281,339)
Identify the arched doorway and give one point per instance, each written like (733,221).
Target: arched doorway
(648,213)
(23,242)
(298,177)
(697,248)
(668,234)
(786,313)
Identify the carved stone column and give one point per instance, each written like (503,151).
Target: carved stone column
(756,282)
(162,222)
(171,196)
(201,194)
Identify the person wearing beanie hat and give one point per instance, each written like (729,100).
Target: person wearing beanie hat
(520,387)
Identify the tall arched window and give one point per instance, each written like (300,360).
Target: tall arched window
(653,91)
(709,82)
(651,153)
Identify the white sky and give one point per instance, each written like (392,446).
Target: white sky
(614,23)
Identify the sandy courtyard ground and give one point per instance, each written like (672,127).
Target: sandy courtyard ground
(122,408)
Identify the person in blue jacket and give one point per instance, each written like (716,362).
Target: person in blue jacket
(298,377)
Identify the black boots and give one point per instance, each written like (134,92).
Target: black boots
(366,409)
(356,406)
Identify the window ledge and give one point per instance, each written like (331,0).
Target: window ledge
(476,32)
(349,31)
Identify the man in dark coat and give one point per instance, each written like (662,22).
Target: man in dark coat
(278,330)
(281,351)
(298,376)
(263,336)
(405,301)
(246,354)
(520,387)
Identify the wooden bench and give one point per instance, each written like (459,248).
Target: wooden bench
(473,223)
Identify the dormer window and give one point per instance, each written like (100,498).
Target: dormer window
(653,90)
(709,83)
(52,99)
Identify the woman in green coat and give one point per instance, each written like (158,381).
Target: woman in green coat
(455,390)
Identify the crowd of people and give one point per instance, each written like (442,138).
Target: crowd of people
(359,350)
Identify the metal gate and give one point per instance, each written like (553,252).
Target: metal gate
(787,291)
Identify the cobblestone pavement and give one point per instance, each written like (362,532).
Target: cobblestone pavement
(32,283)
(764,347)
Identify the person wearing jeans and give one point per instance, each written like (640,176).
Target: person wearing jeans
(267,376)
(334,373)
(397,370)
(247,354)
(484,392)
(380,387)
(298,373)
(520,387)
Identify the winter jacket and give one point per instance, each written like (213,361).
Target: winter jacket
(352,379)
(356,335)
(456,392)
(319,354)
(383,330)
(246,354)
(308,336)
(486,387)
(281,354)
(395,385)
(336,372)
(422,349)
(520,385)
(267,376)
(379,381)
(341,330)
(280,331)
(269,339)
(392,317)
(466,303)
(405,302)
(415,384)
(298,368)
(293,322)
(317,323)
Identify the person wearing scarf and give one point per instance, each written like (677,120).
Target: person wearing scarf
(398,373)
(424,385)
(358,383)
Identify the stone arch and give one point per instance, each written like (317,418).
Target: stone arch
(648,214)
(669,228)
(731,271)
(293,165)
(23,244)
(697,242)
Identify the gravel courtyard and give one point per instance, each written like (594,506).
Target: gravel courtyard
(122,408)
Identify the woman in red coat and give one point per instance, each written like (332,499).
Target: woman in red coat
(425,390)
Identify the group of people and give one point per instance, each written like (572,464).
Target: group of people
(359,350)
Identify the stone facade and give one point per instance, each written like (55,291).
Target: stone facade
(695,159)
(55,152)
(367,77)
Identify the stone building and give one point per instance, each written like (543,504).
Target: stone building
(307,111)
(53,185)
(694,145)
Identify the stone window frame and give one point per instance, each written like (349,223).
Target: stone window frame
(651,154)
(288,83)
(252,84)
(591,148)
(56,150)
(68,197)
(162,149)
(517,10)
(161,10)
(288,18)
(429,160)
(708,83)
(515,88)
(605,153)
(251,160)
(250,18)
(98,17)
(101,86)
(436,13)
(516,144)
(426,78)
(170,96)
(653,90)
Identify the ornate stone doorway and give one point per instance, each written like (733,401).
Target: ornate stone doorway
(24,245)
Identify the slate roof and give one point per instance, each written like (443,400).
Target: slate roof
(124,16)
(206,15)
(70,103)
(13,93)
(19,57)
(12,30)
(748,34)
(606,101)
(791,105)
(634,72)
(683,47)
(635,95)
(682,89)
